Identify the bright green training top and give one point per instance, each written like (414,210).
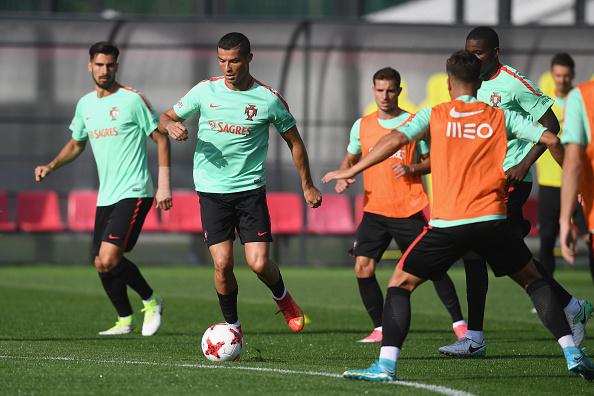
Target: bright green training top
(517,126)
(576,128)
(510,90)
(354,146)
(117,126)
(232,133)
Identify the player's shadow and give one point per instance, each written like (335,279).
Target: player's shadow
(308,331)
(45,339)
(211,153)
(485,358)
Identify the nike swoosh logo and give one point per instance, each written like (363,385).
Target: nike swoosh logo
(473,350)
(113,237)
(455,114)
(214,106)
(262,233)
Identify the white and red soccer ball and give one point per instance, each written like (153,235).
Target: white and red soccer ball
(221,343)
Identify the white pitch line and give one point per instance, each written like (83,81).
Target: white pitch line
(433,388)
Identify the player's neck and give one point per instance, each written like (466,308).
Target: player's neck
(242,85)
(386,115)
(104,92)
(462,91)
(562,94)
(488,74)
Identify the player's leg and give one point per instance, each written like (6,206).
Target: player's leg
(591,254)
(405,231)
(371,241)
(254,232)
(219,222)
(548,229)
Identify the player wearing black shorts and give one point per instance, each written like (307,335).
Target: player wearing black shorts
(117,120)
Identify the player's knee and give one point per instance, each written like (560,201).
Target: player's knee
(364,267)
(105,262)
(223,263)
(527,275)
(258,263)
(404,280)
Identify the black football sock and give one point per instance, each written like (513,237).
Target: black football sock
(278,289)
(549,310)
(447,294)
(562,295)
(115,288)
(130,274)
(477,284)
(396,317)
(373,300)
(228,304)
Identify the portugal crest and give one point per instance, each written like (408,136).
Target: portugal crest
(250,112)
(495,99)
(114,113)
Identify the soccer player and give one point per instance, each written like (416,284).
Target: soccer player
(235,113)
(578,167)
(504,87)
(549,172)
(393,203)
(468,210)
(117,120)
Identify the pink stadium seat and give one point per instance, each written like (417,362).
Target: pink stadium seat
(5,224)
(82,205)
(334,217)
(359,200)
(184,216)
(530,210)
(39,211)
(151,222)
(286,212)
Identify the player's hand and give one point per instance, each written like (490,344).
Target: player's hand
(313,196)
(568,239)
(177,130)
(401,170)
(41,172)
(516,174)
(163,199)
(337,175)
(342,185)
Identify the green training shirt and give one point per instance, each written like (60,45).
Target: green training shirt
(232,133)
(510,90)
(117,126)
(517,126)
(354,146)
(576,128)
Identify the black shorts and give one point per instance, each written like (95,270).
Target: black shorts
(436,249)
(375,232)
(120,223)
(245,212)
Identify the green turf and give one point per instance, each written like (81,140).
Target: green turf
(55,312)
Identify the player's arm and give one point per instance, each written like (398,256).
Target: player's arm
(572,167)
(312,195)
(163,194)
(171,124)
(69,153)
(348,161)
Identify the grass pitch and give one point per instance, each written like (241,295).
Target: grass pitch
(50,317)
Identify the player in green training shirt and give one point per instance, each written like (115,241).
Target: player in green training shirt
(117,120)
(504,87)
(235,113)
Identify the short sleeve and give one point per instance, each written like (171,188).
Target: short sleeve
(423,147)
(77,125)
(146,116)
(190,102)
(354,146)
(574,129)
(530,98)
(523,128)
(418,125)
(279,114)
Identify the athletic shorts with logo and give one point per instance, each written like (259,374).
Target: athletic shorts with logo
(120,223)
(436,249)
(245,212)
(375,232)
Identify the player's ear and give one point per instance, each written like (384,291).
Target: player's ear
(496,51)
(90,67)
(449,85)
(250,57)
(398,91)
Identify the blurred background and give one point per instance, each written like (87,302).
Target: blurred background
(320,55)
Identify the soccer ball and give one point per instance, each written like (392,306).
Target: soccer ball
(221,343)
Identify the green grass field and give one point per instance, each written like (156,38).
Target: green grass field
(50,317)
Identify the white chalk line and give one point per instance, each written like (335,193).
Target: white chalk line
(433,388)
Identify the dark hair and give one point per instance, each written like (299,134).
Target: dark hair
(104,47)
(234,40)
(464,66)
(563,59)
(387,73)
(489,35)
